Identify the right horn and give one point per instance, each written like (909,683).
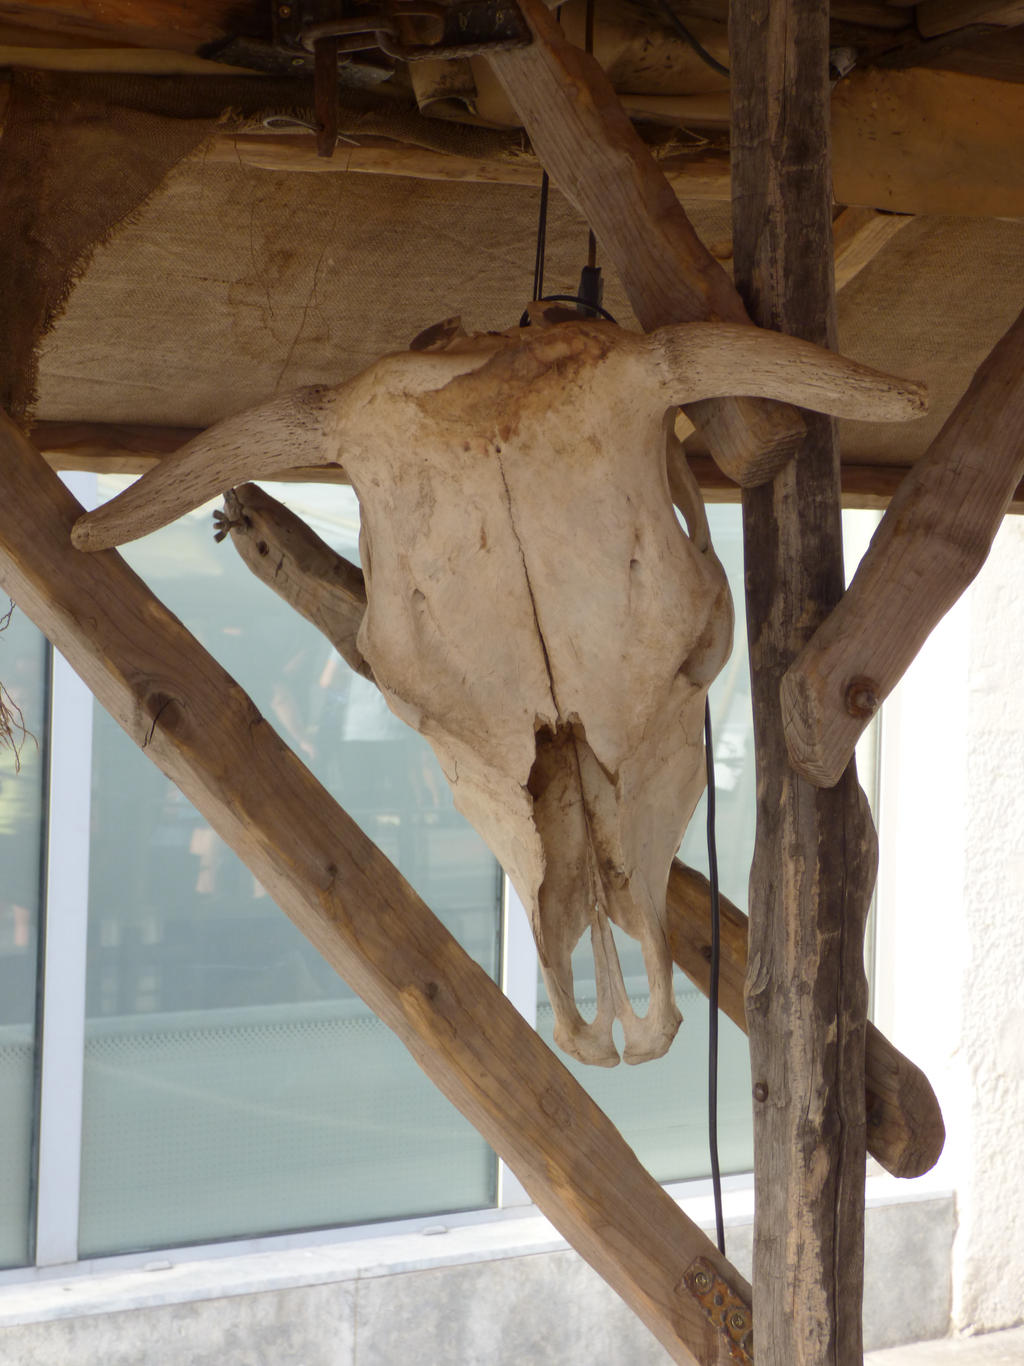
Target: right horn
(718,360)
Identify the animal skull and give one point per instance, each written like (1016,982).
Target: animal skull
(534,607)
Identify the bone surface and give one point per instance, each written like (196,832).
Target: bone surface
(534,607)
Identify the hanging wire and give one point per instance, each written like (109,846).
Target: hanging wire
(542,237)
(716,955)
(689,39)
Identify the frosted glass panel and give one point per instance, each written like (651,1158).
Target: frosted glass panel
(23,668)
(233,1084)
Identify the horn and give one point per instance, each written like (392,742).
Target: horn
(712,360)
(280,435)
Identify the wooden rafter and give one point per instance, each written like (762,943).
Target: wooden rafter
(132,448)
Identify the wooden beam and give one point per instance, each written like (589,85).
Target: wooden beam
(815,853)
(905,1129)
(929,547)
(906,1133)
(858,235)
(111,448)
(181,25)
(935,17)
(594,155)
(922,141)
(204,733)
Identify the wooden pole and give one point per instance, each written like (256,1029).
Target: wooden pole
(204,733)
(815,854)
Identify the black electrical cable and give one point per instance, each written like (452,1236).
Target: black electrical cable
(542,237)
(688,38)
(716,953)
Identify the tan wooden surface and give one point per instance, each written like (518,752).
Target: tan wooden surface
(182,25)
(922,141)
(200,728)
(591,151)
(905,1129)
(107,448)
(935,17)
(814,859)
(858,235)
(929,547)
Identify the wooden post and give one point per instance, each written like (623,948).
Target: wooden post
(814,860)
(201,729)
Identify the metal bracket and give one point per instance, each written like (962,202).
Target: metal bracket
(408,30)
(331,31)
(724,1308)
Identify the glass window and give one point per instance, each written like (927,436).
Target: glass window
(233,1084)
(23,674)
(661,1107)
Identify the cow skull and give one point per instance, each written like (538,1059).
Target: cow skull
(534,607)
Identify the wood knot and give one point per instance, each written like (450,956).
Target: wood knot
(862,698)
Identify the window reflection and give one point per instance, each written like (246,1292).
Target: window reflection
(234,1084)
(23,670)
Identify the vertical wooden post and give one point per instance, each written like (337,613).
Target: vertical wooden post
(814,860)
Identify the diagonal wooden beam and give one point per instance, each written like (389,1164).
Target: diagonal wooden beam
(905,1129)
(928,549)
(905,1133)
(200,728)
(593,154)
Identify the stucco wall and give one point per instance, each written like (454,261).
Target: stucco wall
(950,944)
(989,1248)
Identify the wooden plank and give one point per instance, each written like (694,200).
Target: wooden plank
(814,859)
(197,725)
(858,235)
(594,155)
(110,448)
(182,25)
(923,141)
(929,547)
(905,1129)
(935,17)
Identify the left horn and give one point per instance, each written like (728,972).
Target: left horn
(715,360)
(277,436)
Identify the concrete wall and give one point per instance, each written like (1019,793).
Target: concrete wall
(503,1294)
(989,1249)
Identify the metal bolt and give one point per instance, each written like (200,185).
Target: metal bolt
(760,1090)
(862,697)
(284,11)
(737,1321)
(299,61)
(702,1280)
